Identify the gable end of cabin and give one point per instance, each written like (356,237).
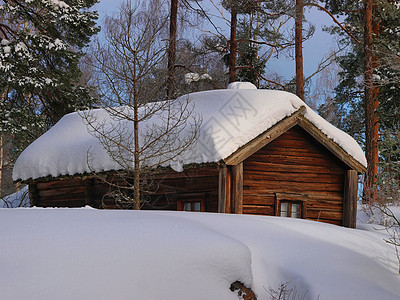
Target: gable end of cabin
(292,176)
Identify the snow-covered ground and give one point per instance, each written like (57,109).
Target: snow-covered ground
(105,254)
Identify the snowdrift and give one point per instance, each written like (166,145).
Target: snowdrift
(100,254)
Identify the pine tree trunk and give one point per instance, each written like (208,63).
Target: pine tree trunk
(172,49)
(371,104)
(136,156)
(233,45)
(255,38)
(299,50)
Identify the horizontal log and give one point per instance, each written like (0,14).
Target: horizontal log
(55,184)
(290,142)
(282,167)
(298,177)
(212,206)
(258,199)
(161,189)
(325,207)
(189,187)
(316,202)
(329,196)
(259,210)
(66,196)
(292,187)
(62,190)
(324,214)
(332,195)
(173,189)
(168,186)
(295,150)
(295,160)
(328,199)
(195,197)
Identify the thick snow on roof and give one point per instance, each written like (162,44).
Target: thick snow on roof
(230,119)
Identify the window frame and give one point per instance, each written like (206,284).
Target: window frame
(181,204)
(291,198)
(289,211)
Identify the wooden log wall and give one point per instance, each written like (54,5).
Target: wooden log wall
(194,184)
(71,192)
(295,163)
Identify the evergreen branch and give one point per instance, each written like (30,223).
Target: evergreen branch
(258,73)
(5,28)
(352,11)
(269,44)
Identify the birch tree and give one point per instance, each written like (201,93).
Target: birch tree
(141,130)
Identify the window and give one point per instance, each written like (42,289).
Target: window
(290,209)
(190,202)
(192,206)
(291,205)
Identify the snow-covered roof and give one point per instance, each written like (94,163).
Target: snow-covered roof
(231,118)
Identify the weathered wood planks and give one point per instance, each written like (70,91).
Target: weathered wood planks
(194,184)
(295,163)
(292,167)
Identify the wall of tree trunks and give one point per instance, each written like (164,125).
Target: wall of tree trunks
(293,167)
(296,167)
(168,187)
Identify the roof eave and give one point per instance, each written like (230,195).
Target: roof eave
(297,118)
(265,138)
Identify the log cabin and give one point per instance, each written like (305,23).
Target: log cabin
(258,152)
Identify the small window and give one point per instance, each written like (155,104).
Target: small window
(291,205)
(183,205)
(291,209)
(192,206)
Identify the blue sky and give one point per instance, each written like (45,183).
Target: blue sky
(315,49)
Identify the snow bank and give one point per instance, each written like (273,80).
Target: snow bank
(230,119)
(99,254)
(372,218)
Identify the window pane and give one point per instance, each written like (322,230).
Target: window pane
(284,209)
(192,206)
(296,210)
(196,206)
(186,206)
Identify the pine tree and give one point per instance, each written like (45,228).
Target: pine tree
(256,37)
(40,48)
(249,63)
(369,74)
